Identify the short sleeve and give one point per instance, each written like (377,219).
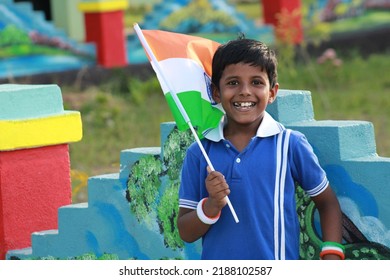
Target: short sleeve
(189,192)
(306,169)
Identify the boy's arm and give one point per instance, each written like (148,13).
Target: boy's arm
(330,217)
(191,228)
(189,225)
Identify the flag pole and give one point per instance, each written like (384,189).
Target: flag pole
(179,106)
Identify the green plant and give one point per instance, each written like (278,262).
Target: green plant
(11,35)
(143,187)
(167,216)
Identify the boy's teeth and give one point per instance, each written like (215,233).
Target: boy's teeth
(243,104)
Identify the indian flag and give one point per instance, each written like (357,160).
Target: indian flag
(183,67)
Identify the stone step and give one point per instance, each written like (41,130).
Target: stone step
(346,139)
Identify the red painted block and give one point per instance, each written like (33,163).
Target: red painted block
(106,29)
(34,183)
(286,17)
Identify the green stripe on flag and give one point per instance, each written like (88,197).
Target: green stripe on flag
(202,114)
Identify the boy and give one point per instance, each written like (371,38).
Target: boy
(257,163)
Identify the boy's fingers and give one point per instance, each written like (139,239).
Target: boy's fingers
(209,171)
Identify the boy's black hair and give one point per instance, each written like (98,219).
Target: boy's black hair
(243,50)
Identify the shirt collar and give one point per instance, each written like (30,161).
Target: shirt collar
(268,127)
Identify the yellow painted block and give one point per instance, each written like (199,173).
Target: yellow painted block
(103,6)
(39,132)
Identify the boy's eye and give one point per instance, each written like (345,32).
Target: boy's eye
(257,82)
(233,83)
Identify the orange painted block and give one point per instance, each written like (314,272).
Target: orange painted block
(34,183)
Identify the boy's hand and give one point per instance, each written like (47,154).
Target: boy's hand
(218,189)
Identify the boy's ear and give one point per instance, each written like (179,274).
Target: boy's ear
(272,93)
(216,93)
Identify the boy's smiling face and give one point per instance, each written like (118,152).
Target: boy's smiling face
(244,93)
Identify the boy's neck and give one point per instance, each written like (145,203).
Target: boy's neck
(240,135)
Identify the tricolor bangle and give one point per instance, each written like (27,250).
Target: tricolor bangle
(202,216)
(332,248)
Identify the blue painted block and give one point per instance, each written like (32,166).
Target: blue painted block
(44,242)
(103,187)
(292,106)
(21,254)
(334,141)
(70,217)
(29,101)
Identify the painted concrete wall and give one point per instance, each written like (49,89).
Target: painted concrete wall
(132,214)
(34,161)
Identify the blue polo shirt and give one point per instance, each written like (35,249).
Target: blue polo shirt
(262,181)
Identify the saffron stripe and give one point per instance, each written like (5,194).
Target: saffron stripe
(199,49)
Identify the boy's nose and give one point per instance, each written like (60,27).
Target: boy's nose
(245,90)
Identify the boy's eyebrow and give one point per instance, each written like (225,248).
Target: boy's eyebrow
(237,76)
(231,77)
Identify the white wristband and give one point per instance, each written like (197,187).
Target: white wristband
(202,216)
